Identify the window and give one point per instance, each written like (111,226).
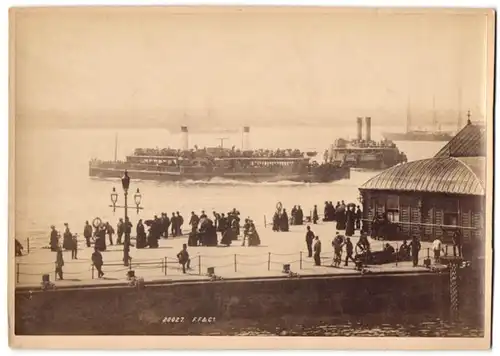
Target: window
(450,212)
(392,208)
(393,216)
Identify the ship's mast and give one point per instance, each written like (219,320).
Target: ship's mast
(408,116)
(222,139)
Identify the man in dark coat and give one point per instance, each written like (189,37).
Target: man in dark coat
(120,229)
(300,216)
(67,238)
(127,229)
(349,250)
(173,224)
(276,222)
(294,215)
(54,239)
(97,262)
(315,216)
(309,240)
(180,222)
(284,221)
(193,222)
(141,235)
(350,217)
(359,215)
(415,249)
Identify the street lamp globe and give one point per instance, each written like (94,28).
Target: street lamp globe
(125,181)
(114,196)
(138,197)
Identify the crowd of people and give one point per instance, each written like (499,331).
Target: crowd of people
(204,232)
(221,152)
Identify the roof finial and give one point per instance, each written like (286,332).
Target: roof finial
(468,118)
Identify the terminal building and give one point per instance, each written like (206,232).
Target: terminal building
(421,197)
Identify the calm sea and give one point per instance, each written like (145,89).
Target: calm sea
(53,186)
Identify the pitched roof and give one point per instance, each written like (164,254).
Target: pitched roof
(469,142)
(438,175)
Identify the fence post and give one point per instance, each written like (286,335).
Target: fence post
(269,261)
(300,259)
(235,268)
(397,253)
(17,272)
(428,253)
(28,244)
(92,271)
(199,265)
(165,264)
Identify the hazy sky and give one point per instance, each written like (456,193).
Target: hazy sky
(240,66)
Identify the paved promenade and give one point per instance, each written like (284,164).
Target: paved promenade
(235,261)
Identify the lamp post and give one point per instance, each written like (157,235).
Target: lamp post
(137,199)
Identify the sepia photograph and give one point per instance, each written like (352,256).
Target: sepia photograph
(250,177)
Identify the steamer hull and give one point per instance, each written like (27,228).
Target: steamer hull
(331,175)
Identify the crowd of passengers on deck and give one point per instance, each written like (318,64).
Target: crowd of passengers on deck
(220,152)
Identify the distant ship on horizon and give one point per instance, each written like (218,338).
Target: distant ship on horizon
(422,135)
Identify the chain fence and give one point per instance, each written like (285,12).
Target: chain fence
(228,265)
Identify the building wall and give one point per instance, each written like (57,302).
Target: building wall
(427,208)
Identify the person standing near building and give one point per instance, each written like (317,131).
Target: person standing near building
(437,247)
(128,230)
(317,251)
(349,249)
(59,262)
(359,215)
(415,249)
(457,243)
(315,216)
(309,241)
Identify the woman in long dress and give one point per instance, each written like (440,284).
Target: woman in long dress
(253,235)
(351,220)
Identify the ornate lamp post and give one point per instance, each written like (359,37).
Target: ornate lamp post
(137,199)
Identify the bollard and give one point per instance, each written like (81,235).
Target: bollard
(454,295)
(235,269)
(269,261)
(199,265)
(165,264)
(300,259)
(17,272)
(92,271)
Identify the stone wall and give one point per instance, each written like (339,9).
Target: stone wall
(128,310)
